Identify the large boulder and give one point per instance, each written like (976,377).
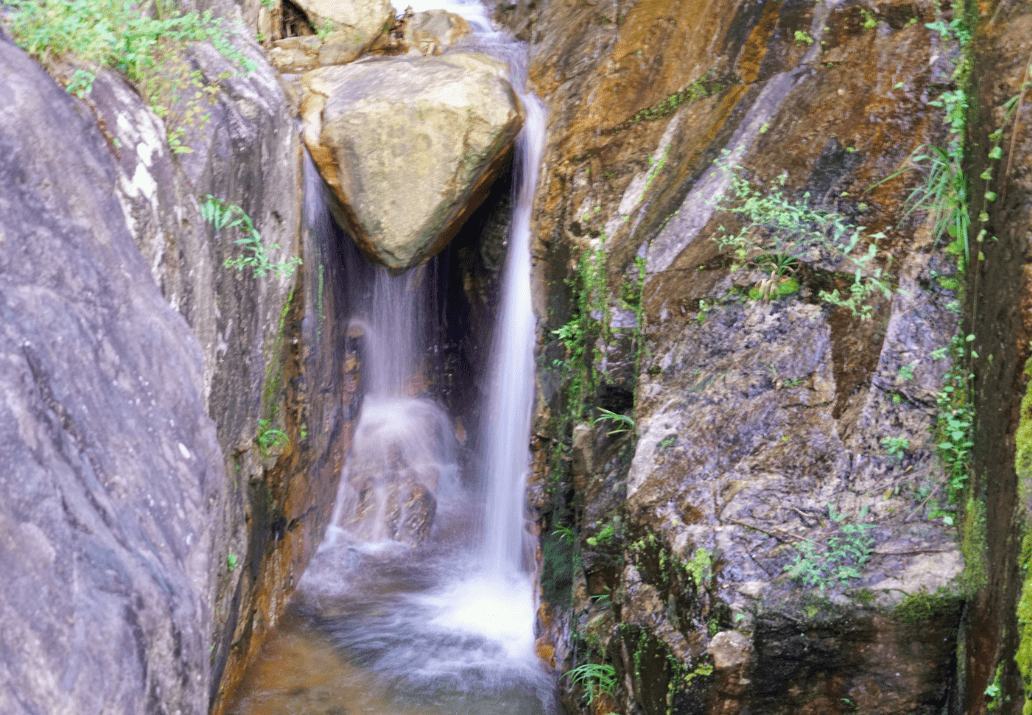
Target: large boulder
(409,146)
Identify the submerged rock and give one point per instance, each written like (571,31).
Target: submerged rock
(409,147)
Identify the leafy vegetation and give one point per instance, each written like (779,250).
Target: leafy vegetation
(148,51)
(896,446)
(955,419)
(705,86)
(269,438)
(223,216)
(839,560)
(623,423)
(779,233)
(595,678)
(803,38)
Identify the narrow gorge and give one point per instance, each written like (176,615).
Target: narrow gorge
(651,357)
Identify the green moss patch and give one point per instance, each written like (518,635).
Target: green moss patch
(924,606)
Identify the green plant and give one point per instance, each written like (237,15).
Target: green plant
(993,692)
(842,559)
(906,372)
(896,446)
(955,420)
(654,168)
(231,562)
(269,438)
(324,30)
(700,566)
(606,535)
(116,34)
(566,534)
(81,83)
(944,193)
(596,678)
(180,96)
(778,233)
(803,38)
(224,215)
(624,423)
(705,86)
(870,21)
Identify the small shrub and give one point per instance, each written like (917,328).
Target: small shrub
(779,232)
(842,559)
(896,446)
(116,34)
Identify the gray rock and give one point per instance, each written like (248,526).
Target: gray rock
(111,470)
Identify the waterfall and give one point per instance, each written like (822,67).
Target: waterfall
(425,584)
(506,458)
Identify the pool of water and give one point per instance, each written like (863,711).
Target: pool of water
(387,628)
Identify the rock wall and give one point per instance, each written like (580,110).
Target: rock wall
(201,411)
(998,668)
(770,427)
(112,468)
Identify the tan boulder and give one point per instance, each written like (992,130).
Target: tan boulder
(361,21)
(430,32)
(409,146)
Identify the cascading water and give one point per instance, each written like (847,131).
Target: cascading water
(417,618)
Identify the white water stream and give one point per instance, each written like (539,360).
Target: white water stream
(433,619)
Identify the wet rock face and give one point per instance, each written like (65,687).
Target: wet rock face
(764,427)
(112,468)
(409,147)
(1003,328)
(263,521)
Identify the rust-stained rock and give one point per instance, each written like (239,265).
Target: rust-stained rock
(761,425)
